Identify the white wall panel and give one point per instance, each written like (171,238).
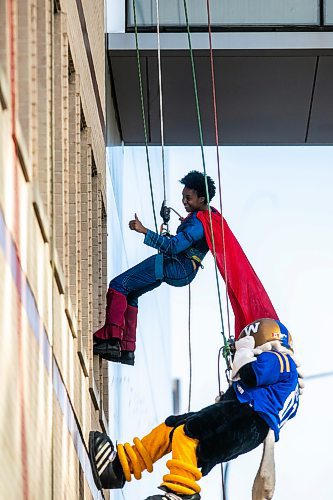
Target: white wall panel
(140,396)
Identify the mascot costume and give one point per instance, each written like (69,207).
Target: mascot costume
(264,394)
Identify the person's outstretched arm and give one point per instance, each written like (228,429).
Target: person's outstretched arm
(193,231)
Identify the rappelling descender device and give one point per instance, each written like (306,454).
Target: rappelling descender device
(165,214)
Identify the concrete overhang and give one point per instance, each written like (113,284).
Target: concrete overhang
(272,87)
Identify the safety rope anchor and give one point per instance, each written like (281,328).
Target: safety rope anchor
(164,230)
(227,352)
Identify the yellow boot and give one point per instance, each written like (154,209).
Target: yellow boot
(183,467)
(111,468)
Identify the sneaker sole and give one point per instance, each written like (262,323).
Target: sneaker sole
(92,460)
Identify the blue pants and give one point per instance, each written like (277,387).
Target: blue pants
(150,273)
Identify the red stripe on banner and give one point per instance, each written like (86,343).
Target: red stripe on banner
(18,275)
(26,300)
(29,305)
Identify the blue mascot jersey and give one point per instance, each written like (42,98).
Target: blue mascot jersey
(276,395)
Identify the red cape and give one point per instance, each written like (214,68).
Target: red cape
(247,295)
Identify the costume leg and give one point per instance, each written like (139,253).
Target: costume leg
(107,339)
(184,473)
(111,469)
(225,430)
(242,436)
(139,279)
(125,289)
(116,305)
(136,458)
(183,467)
(129,336)
(142,279)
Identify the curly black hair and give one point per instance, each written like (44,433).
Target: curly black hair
(196,180)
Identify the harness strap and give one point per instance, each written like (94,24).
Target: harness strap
(197,260)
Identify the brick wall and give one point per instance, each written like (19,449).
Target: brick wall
(53,244)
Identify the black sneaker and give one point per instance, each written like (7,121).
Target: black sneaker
(171,495)
(106,468)
(107,347)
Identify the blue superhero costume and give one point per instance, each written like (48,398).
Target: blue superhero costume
(173,265)
(176,264)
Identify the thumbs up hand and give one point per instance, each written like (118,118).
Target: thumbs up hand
(136,225)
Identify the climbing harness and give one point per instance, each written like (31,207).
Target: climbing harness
(181,218)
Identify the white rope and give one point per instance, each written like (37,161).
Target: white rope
(160,94)
(189,349)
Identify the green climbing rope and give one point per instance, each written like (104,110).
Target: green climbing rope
(225,350)
(143,112)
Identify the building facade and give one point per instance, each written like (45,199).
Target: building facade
(53,231)
(66,91)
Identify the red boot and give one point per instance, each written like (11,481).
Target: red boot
(128,340)
(129,337)
(107,339)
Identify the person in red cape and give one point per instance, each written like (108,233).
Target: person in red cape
(177,264)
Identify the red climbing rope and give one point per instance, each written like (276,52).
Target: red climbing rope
(218,155)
